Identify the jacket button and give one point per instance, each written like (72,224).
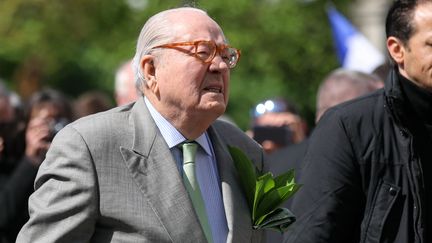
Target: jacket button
(392,191)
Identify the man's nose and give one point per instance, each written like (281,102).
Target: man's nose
(218,64)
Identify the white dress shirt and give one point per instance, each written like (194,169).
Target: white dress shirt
(206,170)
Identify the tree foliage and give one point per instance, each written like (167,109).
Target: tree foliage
(76,45)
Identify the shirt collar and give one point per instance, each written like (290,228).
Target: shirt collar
(170,134)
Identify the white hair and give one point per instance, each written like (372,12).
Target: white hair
(121,78)
(342,85)
(156,31)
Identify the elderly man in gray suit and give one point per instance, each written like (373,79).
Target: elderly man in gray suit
(117,176)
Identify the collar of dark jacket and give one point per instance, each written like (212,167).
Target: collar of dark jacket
(396,103)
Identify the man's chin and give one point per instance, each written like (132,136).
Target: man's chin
(216,108)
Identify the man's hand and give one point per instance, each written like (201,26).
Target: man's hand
(38,138)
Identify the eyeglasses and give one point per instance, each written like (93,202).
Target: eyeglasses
(206,51)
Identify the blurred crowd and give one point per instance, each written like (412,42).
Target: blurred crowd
(27,128)
(283,132)
(26,131)
(363,164)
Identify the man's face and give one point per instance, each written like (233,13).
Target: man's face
(46,110)
(185,83)
(126,91)
(296,128)
(416,63)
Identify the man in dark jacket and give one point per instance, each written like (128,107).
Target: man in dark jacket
(367,173)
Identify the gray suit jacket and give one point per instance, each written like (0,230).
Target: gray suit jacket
(111,177)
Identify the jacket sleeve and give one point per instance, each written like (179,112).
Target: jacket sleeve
(63,207)
(329,205)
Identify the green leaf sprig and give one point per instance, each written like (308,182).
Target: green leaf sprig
(265,193)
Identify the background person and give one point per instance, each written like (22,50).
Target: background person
(337,87)
(18,171)
(125,90)
(116,176)
(11,127)
(276,123)
(48,112)
(342,85)
(367,174)
(13,194)
(91,102)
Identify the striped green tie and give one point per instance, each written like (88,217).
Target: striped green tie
(192,186)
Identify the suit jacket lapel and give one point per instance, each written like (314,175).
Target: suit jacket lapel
(154,169)
(236,209)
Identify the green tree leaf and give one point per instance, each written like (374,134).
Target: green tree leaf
(246,172)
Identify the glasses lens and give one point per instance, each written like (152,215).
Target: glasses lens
(230,56)
(205,51)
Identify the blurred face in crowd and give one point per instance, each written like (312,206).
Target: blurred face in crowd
(6,116)
(415,58)
(280,119)
(182,84)
(125,89)
(46,110)
(273,120)
(6,110)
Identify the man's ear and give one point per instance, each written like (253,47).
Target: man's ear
(149,72)
(396,50)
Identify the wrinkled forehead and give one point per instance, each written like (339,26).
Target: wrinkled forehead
(193,24)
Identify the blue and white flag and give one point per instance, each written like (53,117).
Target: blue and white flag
(354,51)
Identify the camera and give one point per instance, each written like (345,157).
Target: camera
(57,125)
(281,135)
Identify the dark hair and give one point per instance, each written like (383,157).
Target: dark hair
(91,102)
(54,97)
(399,21)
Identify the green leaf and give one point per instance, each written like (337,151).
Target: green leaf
(285,178)
(269,182)
(265,193)
(263,184)
(246,172)
(278,220)
(275,198)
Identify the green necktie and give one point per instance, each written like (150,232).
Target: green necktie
(192,186)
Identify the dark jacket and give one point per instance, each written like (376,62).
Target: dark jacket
(361,177)
(15,189)
(281,161)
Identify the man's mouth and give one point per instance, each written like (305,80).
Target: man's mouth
(214,89)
